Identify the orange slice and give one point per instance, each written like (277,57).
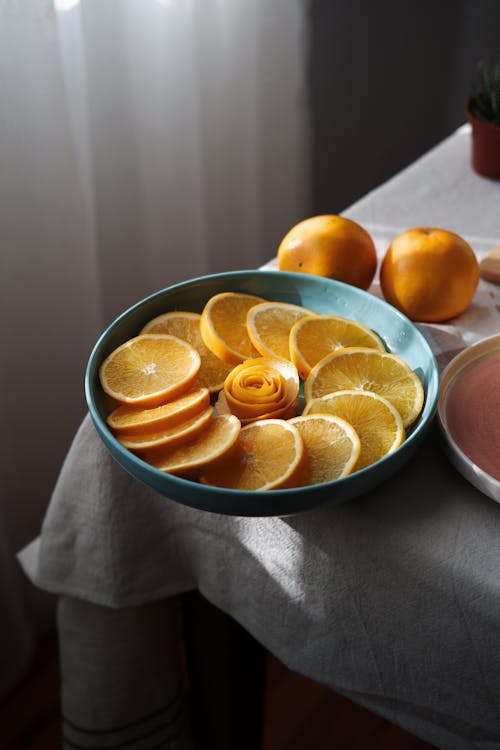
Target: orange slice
(267,455)
(315,337)
(269,325)
(186,326)
(149,369)
(262,388)
(140,441)
(134,419)
(195,455)
(331,444)
(364,369)
(376,421)
(223,326)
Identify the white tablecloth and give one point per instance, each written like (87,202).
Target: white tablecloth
(392,599)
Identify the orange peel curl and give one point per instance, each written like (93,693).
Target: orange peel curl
(261,388)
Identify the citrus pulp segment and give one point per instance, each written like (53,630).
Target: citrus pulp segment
(331,445)
(149,369)
(365,369)
(186,326)
(315,337)
(269,325)
(190,458)
(140,441)
(268,455)
(134,419)
(223,326)
(376,421)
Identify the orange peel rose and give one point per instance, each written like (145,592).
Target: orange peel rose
(261,388)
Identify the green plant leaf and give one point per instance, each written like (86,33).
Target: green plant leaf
(486,96)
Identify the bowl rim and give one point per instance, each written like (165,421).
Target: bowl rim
(461,362)
(129,459)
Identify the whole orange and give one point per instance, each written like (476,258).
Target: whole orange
(429,274)
(330,246)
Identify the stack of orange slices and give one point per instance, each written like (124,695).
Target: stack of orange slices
(214,397)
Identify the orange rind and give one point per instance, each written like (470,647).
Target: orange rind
(262,388)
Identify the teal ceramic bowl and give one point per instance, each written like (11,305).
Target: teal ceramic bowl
(316,293)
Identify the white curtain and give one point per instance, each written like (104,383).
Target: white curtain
(142,142)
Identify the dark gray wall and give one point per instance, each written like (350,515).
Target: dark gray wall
(389,80)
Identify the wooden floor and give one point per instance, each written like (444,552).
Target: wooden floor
(299,714)
(302,715)
(29,717)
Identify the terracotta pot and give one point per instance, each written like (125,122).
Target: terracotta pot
(485,153)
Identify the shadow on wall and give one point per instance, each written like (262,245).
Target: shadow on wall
(389,80)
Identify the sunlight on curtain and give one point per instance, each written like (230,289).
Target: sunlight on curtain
(193,134)
(47,306)
(141,143)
